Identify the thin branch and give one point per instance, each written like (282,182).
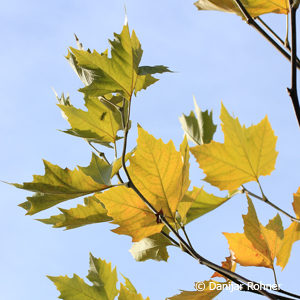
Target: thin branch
(101,154)
(203,261)
(275,277)
(293,90)
(116,156)
(186,236)
(170,239)
(252,23)
(267,201)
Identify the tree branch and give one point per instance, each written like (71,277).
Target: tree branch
(267,201)
(293,90)
(252,23)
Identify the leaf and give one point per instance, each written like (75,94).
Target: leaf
(246,154)
(104,281)
(58,185)
(228,264)
(127,294)
(117,164)
(130,213)
(200,127)
(254,7)
(129,285)
(152,247)
(291,235)
(99,124)
(198,202)
(93,212)
(258,245)
(102,276)
(120,73)
(159,172)
(208,292)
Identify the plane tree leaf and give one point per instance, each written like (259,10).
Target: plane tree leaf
(160,172)
(198,202)
(92,212)
(101,275)
(258,245)
(198,126)
(246,153)
(117,164)
(152,247)
(254,7)
(130,213)
(98,124)
(119,73)
(291,235)
(58,185)
(128,294)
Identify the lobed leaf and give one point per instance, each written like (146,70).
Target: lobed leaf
(246,153)
(58,185)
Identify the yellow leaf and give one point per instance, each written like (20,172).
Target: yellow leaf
(160,172)
(228,264)
(129,211)
(254,7)
(246,153)
(291,235)
(258,245)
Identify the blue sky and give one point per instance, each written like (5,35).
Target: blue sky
(216,57)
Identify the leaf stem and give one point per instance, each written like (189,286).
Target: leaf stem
(101,154)
(275,277)
(293,90)
(252,23)
(188,249)
(267,201)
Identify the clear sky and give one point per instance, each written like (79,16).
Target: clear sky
(215,57)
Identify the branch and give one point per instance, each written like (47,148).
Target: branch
(293,90)
(267,201)
(252,23)
(187,248)
(101,154)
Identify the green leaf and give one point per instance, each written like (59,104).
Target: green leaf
(120,73)
(198,126)
(93,212)
(104,281)
(153,247)
(198,202)
(127,294)
(58,185)
(99,124)
(129,285)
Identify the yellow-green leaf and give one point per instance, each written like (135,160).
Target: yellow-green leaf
(120,73)
(152,247)
(160,172)
(98,124)
(128,294)
(198,202)
(258,245)
(92,212)
(254,7)
(117,164)
(291,235)
(130,213)
(246,153)
(58,185)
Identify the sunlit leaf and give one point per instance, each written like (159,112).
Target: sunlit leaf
(246,154)
(104,281)
(254,7)
(152,247)
(160,172)
(130,213)
(98,124)
(119,73)
(92,212)
(117,164)
(291,235)
(128,294)
(228,264)
(258,245)
(58,185)
(198,126)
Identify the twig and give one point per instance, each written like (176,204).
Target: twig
(267,201)
(203,261)
(252,23)
(116,156)
(293,90)
(101,154)
(170,238)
